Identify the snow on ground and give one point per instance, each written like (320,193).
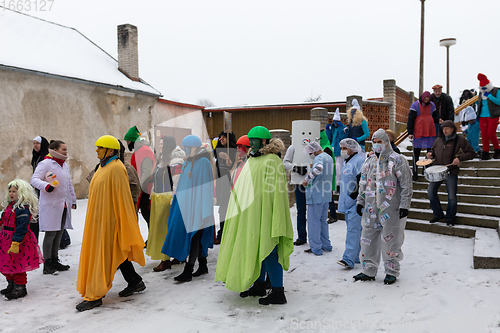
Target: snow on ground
(438,291)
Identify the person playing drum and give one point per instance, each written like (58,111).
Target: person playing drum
(449,148)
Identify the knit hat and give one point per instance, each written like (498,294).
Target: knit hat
(448,123)
(38,139)
(132,134)
(483,80)
(336,116)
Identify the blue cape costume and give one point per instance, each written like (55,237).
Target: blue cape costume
(192,209)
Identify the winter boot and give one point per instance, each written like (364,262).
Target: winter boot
(140,286)
(10,287)
(164,264)
(486,155)
(496,155)
(56,263)
(87,305)
(389,279)
(186,275)
(363,277)
(18,292)
(276,296)
(48,267)
(202,268)
(257,289)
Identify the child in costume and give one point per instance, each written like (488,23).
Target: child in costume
(19,251)
(473,128)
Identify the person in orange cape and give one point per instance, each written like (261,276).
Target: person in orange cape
(111,238)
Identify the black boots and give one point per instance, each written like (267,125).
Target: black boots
(276,296)
(389,279)
(363,277)
(87,305)
(56,263)
(202,268)
(48,267)
(52,266)
(139,286)
(18,291)
(496,155)
(186,275)
(257,289)
(486,156)
(10,287)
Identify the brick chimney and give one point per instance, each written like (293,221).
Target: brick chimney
(128,53)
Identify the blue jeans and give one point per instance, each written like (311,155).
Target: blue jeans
(273,268)
(300,199)
(319,238)
(438,127)
(451,188)
(353,237)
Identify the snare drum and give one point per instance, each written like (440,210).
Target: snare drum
(436,173)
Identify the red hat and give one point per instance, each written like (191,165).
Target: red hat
(244,141)
(483,80)
(437,86)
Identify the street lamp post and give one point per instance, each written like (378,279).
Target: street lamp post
(447,42)
(421,73)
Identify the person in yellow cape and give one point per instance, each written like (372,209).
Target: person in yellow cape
(258,235)
(111,238)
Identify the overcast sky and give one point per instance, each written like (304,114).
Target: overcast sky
(276,51)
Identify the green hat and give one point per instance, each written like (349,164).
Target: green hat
(259,132)
(132,134)
(324,142)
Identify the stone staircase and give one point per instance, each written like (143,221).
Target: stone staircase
(478,211)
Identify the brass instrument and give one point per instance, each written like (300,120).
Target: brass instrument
(467,103)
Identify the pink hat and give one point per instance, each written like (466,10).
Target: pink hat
(483,80)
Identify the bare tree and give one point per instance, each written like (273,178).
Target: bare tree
(205,102)
(313,99)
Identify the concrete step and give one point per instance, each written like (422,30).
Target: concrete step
(486,249)
(480,181)
(462,207)
(462,198)
(463,189)
(461,218)
(440,228)
(480,172)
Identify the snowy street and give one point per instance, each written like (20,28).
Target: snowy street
(438,291)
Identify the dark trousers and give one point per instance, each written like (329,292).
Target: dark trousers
(195,250)
(273,268)
(52,240)
(35,228)
(145,207)
(333,209)
(129,273)
(300,200)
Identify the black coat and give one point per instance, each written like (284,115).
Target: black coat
(444,107)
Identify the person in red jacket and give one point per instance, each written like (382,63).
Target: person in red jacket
(143,160)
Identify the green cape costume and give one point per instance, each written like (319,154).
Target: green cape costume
(325,143)
(258,219)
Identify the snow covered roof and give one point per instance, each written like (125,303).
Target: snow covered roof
(33,44)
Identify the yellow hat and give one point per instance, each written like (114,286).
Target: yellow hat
(108,141)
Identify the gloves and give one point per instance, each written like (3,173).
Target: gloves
(485,94)
(359,210)
(49,188)
(301,170)
(403,213)
(355,139)
(14,247)
(354,195)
